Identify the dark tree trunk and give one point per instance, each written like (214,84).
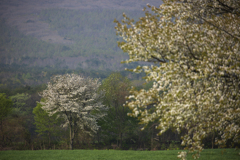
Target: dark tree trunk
(3,138)
(71,137)
(213,136)
(49,140)
(121,139)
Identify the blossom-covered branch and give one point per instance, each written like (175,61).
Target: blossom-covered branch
(197,76)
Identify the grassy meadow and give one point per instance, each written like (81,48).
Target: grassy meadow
(208,154)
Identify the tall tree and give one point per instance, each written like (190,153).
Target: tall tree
(15,127)
(5,109)
(116,124)
(77,100)
(46,126)
(194,47)
(5,106)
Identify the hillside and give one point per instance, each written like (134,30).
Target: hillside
(72,35)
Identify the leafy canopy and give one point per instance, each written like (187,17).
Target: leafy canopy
(45,124)
(194,47)
(5,106)
(116,123)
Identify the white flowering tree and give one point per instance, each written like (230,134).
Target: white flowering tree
(194,48)
(77,100)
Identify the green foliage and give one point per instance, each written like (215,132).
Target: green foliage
(163,147)
(26,76)
(116,88)
(174,146)
(19,102)
(12,127)
(39,76)
(117,127)
(5,106)
(46,126)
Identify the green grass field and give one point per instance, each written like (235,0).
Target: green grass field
(208,154)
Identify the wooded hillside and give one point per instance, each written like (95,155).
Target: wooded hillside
(39,37)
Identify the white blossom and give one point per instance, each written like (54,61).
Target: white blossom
(76,99)
(195,47)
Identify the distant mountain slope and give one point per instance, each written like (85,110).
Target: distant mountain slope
(24,13)
(91,36)
(61,34)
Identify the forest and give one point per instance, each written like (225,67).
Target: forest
(27,126)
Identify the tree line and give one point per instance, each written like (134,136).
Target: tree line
(55,118)
(30,121)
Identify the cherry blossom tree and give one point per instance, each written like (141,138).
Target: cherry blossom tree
(194,48)
(77,100)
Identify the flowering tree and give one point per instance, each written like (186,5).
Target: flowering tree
(194,46)
(75,99)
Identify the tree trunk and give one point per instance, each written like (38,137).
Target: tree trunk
(2,133)
(152,141)
(213,140)
(121,139)
(152,136)
(98,135)
(43,146)
(48,140)
(70,145)
(71,137)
